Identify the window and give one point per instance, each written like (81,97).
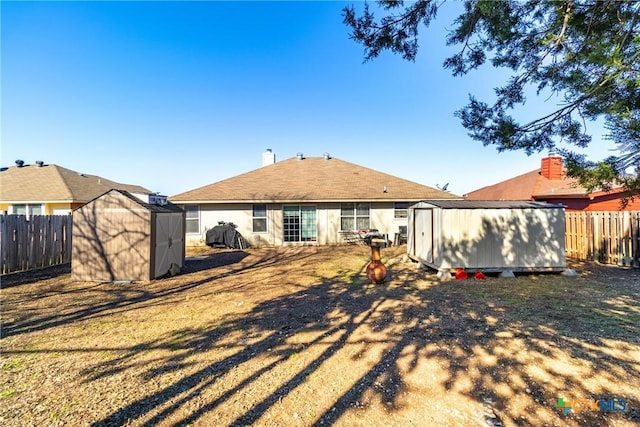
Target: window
(299,224)
(27,210)
(20,209)
(400,209)
(354,216)
(259,218)
(193,219)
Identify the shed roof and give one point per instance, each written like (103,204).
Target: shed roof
(489,204)
(54,183)
(168,208)
(312,179)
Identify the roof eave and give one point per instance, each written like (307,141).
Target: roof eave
(560,196)
(337,200)
(31,202)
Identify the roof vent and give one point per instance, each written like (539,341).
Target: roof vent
(20,163)
(300,156)
(40,163)
(326,156)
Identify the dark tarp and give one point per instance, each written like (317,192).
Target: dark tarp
(225,235)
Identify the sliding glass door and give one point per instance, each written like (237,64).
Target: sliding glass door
(299,224)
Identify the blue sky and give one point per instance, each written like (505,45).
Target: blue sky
(174,95)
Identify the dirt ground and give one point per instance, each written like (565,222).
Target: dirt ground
(298,337)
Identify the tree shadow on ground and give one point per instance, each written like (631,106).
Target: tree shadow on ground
(505,349)
(116,298)
(31,276)
(219,259)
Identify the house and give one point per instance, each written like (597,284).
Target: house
(489,236)
(128,237)
(550,184)
(303,200)
(47,189)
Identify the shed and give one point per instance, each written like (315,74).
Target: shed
(120,236)
(491,236)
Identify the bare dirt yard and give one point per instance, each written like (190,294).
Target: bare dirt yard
(298,337)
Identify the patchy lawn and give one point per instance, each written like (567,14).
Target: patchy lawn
(286,337)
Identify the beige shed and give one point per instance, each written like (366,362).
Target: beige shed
(491,236)
(120,236)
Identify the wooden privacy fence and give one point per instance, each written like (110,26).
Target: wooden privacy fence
(34,242)
(607,237)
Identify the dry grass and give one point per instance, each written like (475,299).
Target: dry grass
(275,337)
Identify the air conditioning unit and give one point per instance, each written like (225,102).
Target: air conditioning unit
(156,199)
(152,199)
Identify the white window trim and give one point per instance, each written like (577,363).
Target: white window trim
(398,210)
(300,206)
(187,219)
(355,214)
(28,207)
(265,217)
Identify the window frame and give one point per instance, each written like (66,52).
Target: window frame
(293,231)
(196,209)
(354,213)
(28,209)
(255,218)
(401,212)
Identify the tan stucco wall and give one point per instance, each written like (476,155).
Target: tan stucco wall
(327,214)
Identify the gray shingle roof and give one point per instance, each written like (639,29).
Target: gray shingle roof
(312,179)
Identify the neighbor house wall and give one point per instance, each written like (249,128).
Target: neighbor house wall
(58,208)
(601,202)
(47,208)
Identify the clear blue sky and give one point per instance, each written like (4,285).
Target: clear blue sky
(173,96)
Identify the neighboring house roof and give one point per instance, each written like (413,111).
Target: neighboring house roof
(311,179)
(53,183)
(537,184)
(517,188)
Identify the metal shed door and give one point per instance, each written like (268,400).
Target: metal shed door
(423,234)
(169,242)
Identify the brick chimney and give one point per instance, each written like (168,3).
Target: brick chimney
(551,167)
